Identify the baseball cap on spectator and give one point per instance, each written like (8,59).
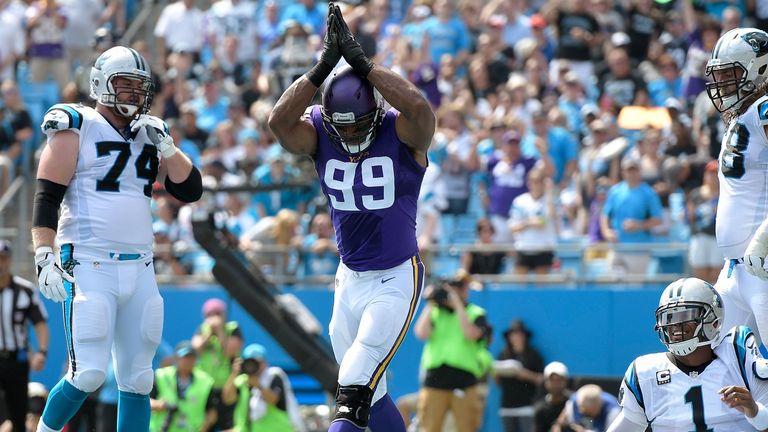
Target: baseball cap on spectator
(673,103)
(620,39)
(248,134)
(214,305)
(292,24)
(525,47)
(274,154)
(590,110)
(512,136)
(629,163)
(497,21)
(711,166)
(518,326)
(5,247)
(572,77)
(421,11)
(207,77)
(255,352)
(538,21)
(38,394)
(516,80)
(161,228)
(497,122)
(213,163)
(556,368)
(187,108)
(538,112)
(598,125)
(236,104)
(184,348)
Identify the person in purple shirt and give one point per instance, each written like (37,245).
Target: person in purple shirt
(370,163)
(507,171)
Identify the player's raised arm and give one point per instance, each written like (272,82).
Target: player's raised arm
(416,123)
(286,120)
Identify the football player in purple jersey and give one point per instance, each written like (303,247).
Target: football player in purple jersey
(370,162)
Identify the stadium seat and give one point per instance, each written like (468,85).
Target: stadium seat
(306,388)
(667,262)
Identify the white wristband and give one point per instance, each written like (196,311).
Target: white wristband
(42,250)
(760,420)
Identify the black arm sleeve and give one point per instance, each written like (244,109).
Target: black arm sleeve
(48,197)
(188,191)
(211,402)
(278,387)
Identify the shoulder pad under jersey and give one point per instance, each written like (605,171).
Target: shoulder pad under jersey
(61,117)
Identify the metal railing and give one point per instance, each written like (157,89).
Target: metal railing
(17,192)
(580,254)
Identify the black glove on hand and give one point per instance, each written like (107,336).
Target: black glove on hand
(331,53)
(350,48)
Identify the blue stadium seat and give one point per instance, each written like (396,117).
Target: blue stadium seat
(667,262)
(444,265)
(37,97)
(570,260)
(306,388)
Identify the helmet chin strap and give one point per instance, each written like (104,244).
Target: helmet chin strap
(686,347)
(126,110)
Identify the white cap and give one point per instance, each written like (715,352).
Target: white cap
(556,368)
(421,11)
(36,389)
(620,39)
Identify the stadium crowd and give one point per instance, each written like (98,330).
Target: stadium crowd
(559,122)
(550,115)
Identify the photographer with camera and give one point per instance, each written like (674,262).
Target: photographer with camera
(263,395)
(456,333)
(181,399)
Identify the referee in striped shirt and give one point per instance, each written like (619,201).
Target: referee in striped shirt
(19,304)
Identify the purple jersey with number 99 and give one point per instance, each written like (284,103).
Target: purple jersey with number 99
(372,200)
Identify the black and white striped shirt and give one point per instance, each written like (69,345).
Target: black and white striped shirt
(19,303)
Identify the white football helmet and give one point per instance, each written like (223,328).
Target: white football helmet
(689,300)
(741,57)
(124,62)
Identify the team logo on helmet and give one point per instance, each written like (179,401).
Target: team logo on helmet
(352,112)
(758,41)
(127,63)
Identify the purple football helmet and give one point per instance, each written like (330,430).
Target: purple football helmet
(352,111)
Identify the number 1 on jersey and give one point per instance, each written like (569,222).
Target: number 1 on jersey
(693,397)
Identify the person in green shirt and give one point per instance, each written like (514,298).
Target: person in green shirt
(181,399)
(263,398)
(455,332)
(218,342)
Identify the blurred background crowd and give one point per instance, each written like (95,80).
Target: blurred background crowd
(562,124)
(574,136)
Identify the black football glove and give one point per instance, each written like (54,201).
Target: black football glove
(331,52)
(350,48)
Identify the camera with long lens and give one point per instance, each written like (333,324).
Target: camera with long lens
(439,294)
(251,366)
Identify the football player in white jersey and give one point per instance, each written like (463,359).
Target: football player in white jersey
(99,167)
(738,71)
(705,383)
